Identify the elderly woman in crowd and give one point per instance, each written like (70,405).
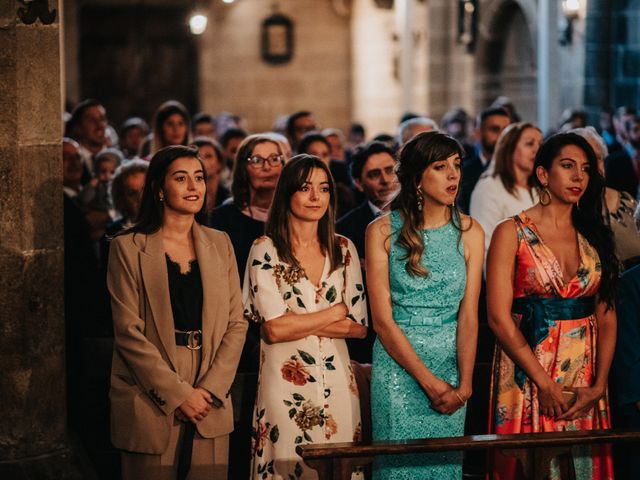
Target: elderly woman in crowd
(619,206)
(126,192)
(508,189)
(257,168)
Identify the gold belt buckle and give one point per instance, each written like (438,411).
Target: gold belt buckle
(194,340)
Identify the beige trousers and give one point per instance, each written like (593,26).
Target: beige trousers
(210,455)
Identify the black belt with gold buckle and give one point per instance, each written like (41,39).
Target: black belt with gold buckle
(191,339)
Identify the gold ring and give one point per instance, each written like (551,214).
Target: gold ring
(459,398)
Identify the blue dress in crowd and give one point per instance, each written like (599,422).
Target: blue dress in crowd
(426,309)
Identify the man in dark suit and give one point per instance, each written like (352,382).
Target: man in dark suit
(623,166)
(625,370)
(492,122)
(373,171)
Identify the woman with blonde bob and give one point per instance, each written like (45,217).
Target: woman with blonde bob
(303,285)
(508,188)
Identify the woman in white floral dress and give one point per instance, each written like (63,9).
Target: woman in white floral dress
(303,284)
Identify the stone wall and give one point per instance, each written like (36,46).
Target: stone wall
(32,384)
(451,69)
(234,78)
(375,68)
(612,73)
(626,47)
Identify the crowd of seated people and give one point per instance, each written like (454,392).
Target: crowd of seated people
(448,225)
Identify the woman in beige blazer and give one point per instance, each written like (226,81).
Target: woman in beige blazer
(178,326)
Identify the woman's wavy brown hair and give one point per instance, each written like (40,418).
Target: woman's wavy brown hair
(420,152)
(503,156)
(294,175)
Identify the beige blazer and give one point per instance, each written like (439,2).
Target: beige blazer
(145,388)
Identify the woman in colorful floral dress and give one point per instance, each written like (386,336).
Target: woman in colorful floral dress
(304,286)
(551,275)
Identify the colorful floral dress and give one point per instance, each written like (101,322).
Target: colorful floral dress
(306,389)
(566,350)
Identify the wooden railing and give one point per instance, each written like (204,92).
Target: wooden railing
(534,450)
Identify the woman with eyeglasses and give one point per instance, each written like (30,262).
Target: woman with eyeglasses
(256,171)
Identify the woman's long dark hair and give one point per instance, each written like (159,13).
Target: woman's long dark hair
(150,217)
(294,174)
(420,152)
(587,213)
(165,110)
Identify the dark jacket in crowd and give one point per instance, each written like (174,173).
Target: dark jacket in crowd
(472,169)
(620,174)
(353,226)
(625,370)
(242,231)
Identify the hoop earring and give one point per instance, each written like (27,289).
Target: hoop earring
(545,196)
(419,199)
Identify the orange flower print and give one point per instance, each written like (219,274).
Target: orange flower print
(330,427)
(293,371)
(259,438)
(357,434)
(353,386)
(347,258)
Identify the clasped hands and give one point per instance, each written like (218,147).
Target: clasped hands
(567,403)
(196,407)
(446,399)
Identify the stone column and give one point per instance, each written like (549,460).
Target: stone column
(32,382)
(548,68)
(599,57)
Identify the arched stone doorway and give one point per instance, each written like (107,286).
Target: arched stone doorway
(506,55)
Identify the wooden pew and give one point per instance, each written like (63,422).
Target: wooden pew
(533,450)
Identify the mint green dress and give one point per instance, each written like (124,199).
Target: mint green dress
(426,309)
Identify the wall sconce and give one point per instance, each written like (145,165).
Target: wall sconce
(276,41)
(571,12)
(467,23)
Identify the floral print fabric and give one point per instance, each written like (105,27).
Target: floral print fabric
(568,355)
(306,391)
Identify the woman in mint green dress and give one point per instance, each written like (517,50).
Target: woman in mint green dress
(426,259)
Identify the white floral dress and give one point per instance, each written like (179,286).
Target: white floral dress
(306,391)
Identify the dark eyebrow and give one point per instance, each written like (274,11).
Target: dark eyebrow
(185,172)
(568,158)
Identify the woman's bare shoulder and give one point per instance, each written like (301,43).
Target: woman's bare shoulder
(381,225)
